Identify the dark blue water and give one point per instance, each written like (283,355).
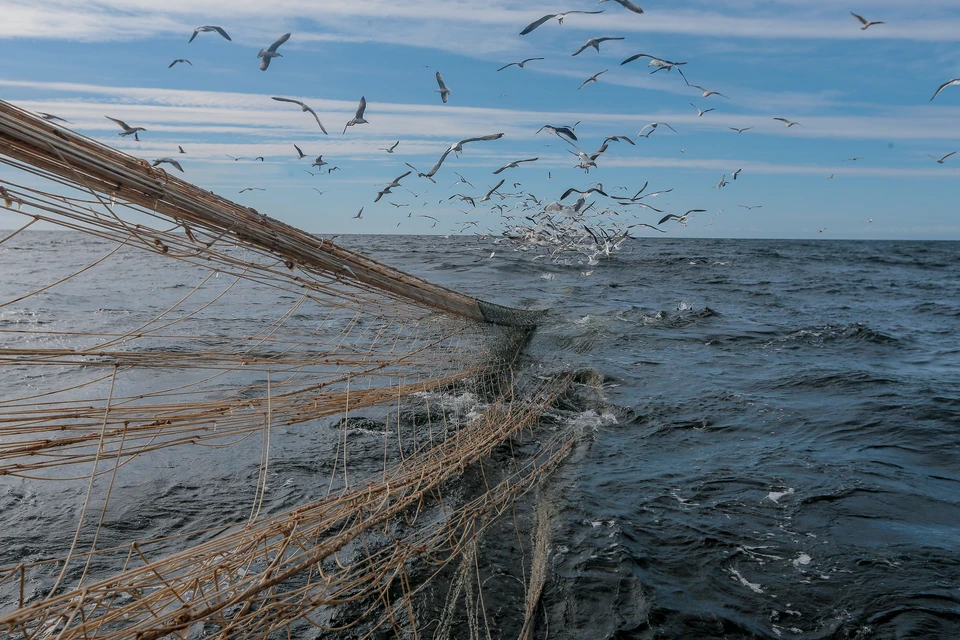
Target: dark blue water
(775,452)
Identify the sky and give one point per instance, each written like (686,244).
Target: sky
(856,94)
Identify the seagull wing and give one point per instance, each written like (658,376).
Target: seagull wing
(276,45)
(497,186)
(947,156)
(440,81)
(531,59)
(302,154)
(290,100)
(317,118)
(605,38)
(860,18)
(401,177)
(626,4)
(507,65)
(174,163)
(944,86)
(195,32)
(492,136)
(362,106)
(581,49)
(668,217)
(636,57)
(533,25)
(505,167)
(436,167)
(122,124)
(222,32)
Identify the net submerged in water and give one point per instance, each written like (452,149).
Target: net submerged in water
(193,335)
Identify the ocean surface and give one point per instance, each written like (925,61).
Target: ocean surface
(777,452)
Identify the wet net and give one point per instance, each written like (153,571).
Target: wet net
(248,431)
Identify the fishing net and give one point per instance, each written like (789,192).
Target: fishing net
(172,336)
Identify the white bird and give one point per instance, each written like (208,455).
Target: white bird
(127,129)
(626,4)
(393,183)
(179,60)
(740,130)
(358,118)
(271,52)
(750,207)
(560,131)
(559,16)
(169,161)
(492,191)
(940,161)
(866,24)
(303,107)
(207,29)
(319,162)
(699,112)
(252,189)
(595,43)
(660,63)
(788,123)
(955,81)
(707,92)
(359,213)
(390,148)
(722,183)
(736,173)
(653,127)
(420,173)
(618,139)
(443,90)
(457,147)
(519,64)
(681,219)
(300,152)
(181,149)
(592,78)
(49,117)
(513,165)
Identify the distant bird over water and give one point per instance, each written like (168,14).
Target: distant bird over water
(866,24)
(788,123)
(207,29)
(271,52)
(519,64)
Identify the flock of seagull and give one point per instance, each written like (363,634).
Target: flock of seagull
(577,232)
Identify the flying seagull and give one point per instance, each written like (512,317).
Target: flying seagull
(559,16)
(592,78)
(358,118)
(866,24)
(699,112)
(955,81)
(617,139)
(722,183)
(750,207)
(740,130)
(788,123)
(170,161)
(681,219)
(271,52)
(560,131)
(940,161)
(443,90)
(736,173)
(303,107)
(181,149)
(653,127)
(420,173)
(660,63)
(391,148)
(707,92)
(457,147)
(393,183)
(319,162)
(49,117)
(127,129)
(595,43)
(583,193)
(252,189)
(492,191)
(207,29)
(513,165)
(359,213)
(626,4)
(519,64)
(179,60)
(300,153)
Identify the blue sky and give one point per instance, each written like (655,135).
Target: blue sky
(857,94)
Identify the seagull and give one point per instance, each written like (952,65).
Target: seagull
(260,158)
(252,189)
(181,149)
(317,190)
(359,213)
(457,147)
(559,16)
(955,81)
(271,52)
(513,165)
(654,62)
(332,169)
(750,207)
(127,129)
(300,153)
(788,123)
(653,127)
(865,23)
(940,161)
(617,139)
(707,92)
(681,219)
(390,149)
(49,117)
(420,173)
(699,112)
(319,162)
(595,43)
(492,191)
(566,131)
(443,90)
(583,193)
(853,159)
(461,179)
(519,64)
(722,183)
(232,158)
(435,221)
(592,78)
(736,173)
(303,107)
(207,29)
(358,118)
(740,130)
(626,4)
(168,161)
(393,183)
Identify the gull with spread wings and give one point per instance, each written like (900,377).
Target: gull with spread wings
(514,165)
(303,107)
(207,29)
(271,52)
(457,147)
(519,64)
(358,118)
(559,16)
(595,43)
